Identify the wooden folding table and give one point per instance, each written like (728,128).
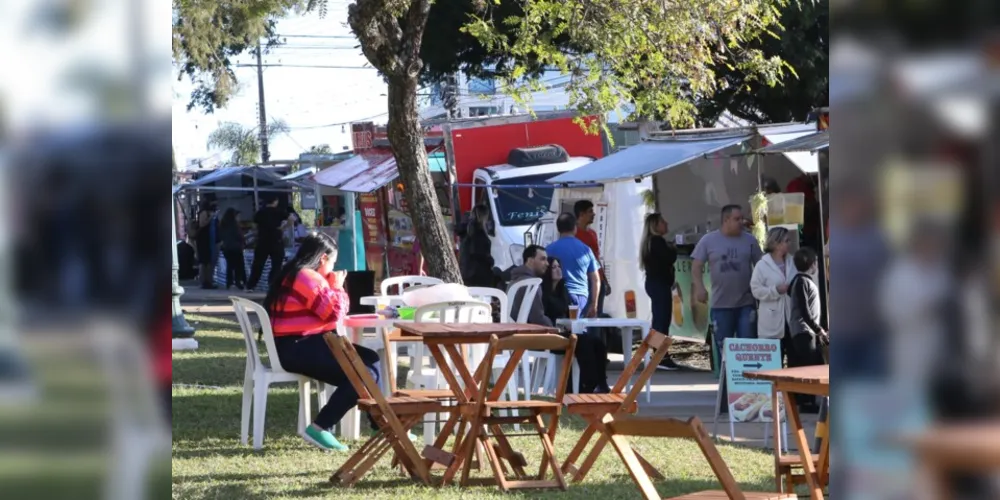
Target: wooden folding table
(811,380)
(443,340)
(944,450)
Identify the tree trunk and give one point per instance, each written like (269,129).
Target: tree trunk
(407,139)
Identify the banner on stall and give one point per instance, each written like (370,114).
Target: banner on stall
(749,399)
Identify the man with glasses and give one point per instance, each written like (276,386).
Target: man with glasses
(731,252)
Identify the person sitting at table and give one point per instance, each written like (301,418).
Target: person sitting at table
(308,300)
(591,352)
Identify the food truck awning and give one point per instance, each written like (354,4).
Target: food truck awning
(648,158)
(306,172)
(358,172)
(808,143)
(806,161)
(261,174)
(367,172)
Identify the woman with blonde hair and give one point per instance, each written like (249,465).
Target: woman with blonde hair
(657,258)
(769,285)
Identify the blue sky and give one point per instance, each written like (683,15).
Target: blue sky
(305,98)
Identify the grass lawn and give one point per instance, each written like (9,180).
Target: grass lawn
(209,462)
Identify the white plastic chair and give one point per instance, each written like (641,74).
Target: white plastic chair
(405,282)
(442,312)
(538,367)
(140,432)
(258,377)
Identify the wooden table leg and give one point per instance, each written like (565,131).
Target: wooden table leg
(824,455)
(775,411)
(812,478)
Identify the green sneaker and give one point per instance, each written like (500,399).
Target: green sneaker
(322,439)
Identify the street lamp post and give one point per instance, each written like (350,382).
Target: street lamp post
(181,328)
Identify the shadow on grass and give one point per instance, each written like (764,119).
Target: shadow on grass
(215,322)
(225,478)
(615,487)
(212,415)
(220,371)
(234,490)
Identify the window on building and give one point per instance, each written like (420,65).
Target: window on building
(478,86)
(475,111)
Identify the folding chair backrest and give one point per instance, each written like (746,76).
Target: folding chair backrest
(455,312)
(531,287)
(656,342)
(487,295)
(405,282)
(347,358)
(243,308)
(692,428)
(521,343)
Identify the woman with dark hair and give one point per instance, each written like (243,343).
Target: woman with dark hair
(591,352)
(306,301)
(233,244)
(206,238)
(475,254)
(555,298)
(657,258)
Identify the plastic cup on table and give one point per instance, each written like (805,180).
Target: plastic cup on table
(573,312)
(380,305)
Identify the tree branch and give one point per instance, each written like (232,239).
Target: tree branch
(378,31)
(413,35)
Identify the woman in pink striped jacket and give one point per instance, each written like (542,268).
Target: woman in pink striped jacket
(308,299)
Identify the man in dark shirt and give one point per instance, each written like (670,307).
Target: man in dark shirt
(270,222)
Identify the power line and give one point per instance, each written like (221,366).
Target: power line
(314,47)
(339,124)
(331,37)
(309,66)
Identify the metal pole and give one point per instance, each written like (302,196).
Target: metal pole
(265,154)
(181,328)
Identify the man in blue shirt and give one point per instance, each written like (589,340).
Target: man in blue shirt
(579,266)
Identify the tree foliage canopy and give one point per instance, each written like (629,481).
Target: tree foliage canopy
(659,56)
(243,142)
(321,149)
(208,34)
(805,46)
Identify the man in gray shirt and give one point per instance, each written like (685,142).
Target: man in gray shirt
(731,253)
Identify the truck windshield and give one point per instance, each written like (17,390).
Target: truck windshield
(522,206)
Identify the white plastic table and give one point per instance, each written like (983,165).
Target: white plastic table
(629,328)
(372,300)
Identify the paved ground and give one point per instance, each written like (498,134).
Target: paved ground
(678,394)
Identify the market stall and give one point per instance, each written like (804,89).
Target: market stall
(688,176)
(242,188)
(366,181)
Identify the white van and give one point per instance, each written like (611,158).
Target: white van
(517,196)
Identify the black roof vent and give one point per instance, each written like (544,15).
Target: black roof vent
(539,155)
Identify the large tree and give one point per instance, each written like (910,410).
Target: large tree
(658,55)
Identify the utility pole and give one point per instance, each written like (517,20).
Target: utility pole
(265,155)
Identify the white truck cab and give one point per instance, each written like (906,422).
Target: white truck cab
(517,197)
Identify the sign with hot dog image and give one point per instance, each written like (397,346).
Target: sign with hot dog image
(750,400)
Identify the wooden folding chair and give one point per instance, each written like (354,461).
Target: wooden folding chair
(594,407)
(620,426)
(394,415)
(485,424)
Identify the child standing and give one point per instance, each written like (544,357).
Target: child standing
(804,327)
